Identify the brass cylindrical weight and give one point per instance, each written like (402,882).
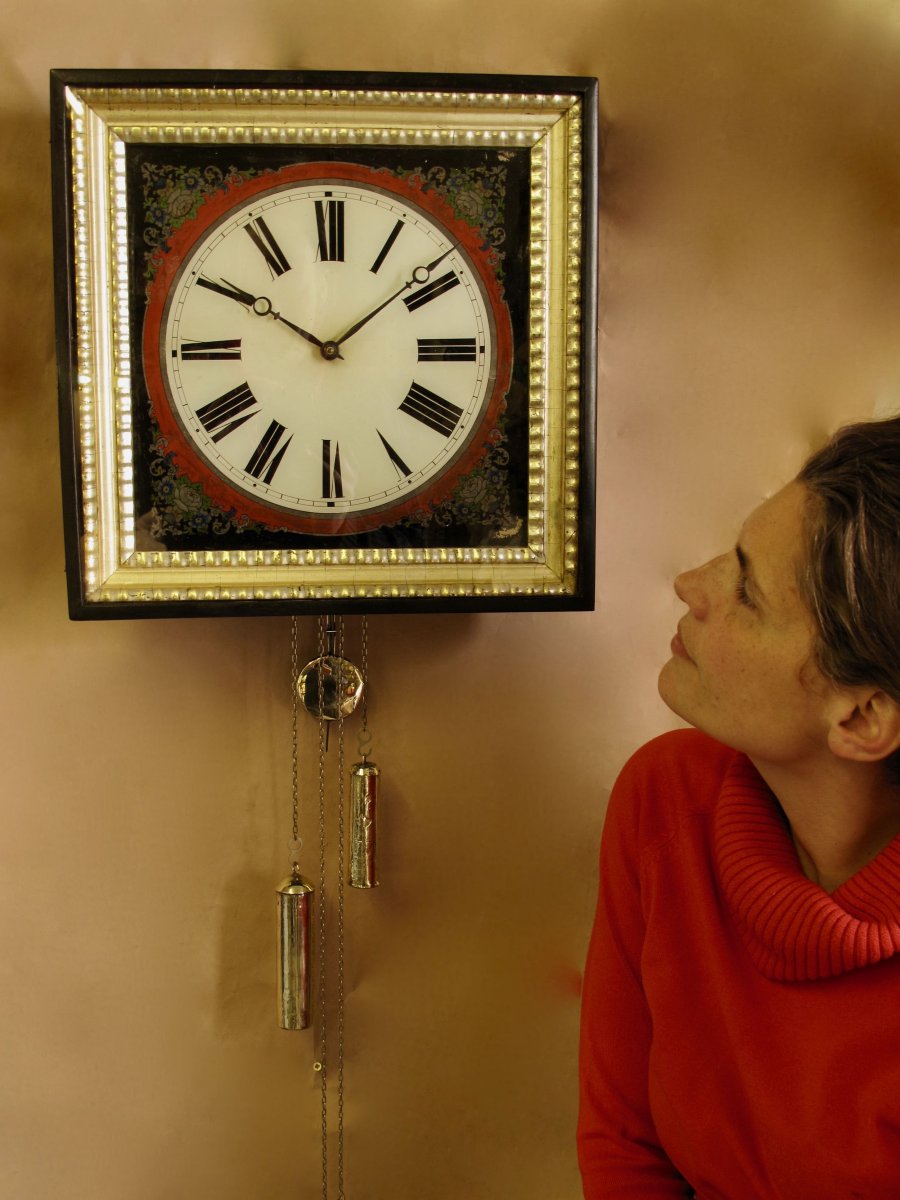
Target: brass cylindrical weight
(363,811)
(294,952)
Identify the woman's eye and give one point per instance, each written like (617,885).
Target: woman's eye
(743,595)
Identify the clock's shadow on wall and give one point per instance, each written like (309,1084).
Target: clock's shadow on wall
(31,531)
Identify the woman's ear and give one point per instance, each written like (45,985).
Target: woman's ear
(864,724)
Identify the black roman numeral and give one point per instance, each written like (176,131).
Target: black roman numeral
(330,227)
(385,249)
(261,236)
(332,483)
(191,351)
(431,291)
(432,410)
(446,349)
(268,454)
(225,414)
(400,465)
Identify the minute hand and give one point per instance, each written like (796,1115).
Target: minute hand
(419,275)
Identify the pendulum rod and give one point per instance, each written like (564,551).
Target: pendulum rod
(328,687)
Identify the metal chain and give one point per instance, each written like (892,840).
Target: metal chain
(364,668)
(364,740)
(323,1024)
(340,916)
(295,784)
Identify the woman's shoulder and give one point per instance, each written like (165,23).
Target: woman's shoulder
(681,753)
(677,773)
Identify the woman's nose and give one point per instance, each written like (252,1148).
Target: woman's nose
(691,589)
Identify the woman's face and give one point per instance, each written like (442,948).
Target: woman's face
(741,667)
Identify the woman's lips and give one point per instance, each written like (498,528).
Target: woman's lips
(678,648)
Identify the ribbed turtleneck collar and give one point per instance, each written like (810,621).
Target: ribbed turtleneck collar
(794,930)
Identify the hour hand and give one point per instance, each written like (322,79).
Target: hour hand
(231,290)
(260,305)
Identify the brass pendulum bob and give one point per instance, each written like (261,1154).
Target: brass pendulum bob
(329,687)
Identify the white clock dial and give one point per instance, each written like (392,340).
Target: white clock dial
(329,349)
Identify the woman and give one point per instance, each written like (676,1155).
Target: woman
(741,1007)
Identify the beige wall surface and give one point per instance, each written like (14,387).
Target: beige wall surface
(751,301)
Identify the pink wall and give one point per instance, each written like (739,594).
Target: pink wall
(751,271)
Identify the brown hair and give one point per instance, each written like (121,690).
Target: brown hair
(851,574)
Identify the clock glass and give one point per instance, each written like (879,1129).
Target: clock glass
(326,348)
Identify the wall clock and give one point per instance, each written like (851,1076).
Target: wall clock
(326,342)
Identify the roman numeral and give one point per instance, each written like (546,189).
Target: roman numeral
(432,410)
(430,291)
(332,483)
(261,236)
(268,454)
(223,415)
(400,465)
(191,351)
(330,227)
(446,349)
(385,249)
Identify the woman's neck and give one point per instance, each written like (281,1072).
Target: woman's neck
(841,815)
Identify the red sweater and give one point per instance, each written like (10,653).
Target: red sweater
(740,1027)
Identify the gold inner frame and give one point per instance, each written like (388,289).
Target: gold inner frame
(102,121)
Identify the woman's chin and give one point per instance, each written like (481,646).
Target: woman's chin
(671,694)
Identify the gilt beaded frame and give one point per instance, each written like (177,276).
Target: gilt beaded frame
(517,156)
